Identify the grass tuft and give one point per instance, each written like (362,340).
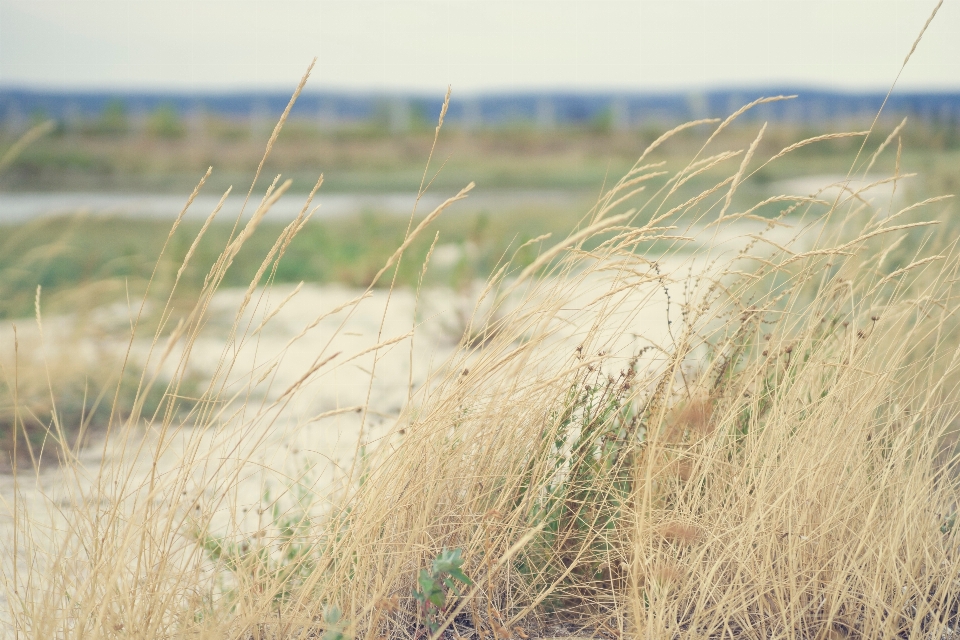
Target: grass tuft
(677,421)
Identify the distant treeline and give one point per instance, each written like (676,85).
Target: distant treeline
(176,113)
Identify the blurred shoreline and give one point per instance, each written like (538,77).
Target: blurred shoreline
(25,207)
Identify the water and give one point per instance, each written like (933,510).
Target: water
(22,207)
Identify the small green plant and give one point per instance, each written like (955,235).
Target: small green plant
(333,619)
(277,563)
(435,586)
(590,441)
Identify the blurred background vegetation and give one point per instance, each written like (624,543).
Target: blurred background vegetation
(111,253)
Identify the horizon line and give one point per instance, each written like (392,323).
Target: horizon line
(770,89)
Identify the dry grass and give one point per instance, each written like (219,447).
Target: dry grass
(755,441)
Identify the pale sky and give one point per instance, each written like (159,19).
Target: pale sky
(476,46)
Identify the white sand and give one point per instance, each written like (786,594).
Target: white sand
(289,443)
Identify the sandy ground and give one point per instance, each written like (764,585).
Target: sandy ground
(314,437)
(285,351)
(285,443)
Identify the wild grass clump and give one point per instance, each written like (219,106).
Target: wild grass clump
(61,388)
(65,377)
(754,438)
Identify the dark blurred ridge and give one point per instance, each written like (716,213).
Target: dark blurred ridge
(20,107)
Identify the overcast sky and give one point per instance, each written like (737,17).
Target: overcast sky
(475,45)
